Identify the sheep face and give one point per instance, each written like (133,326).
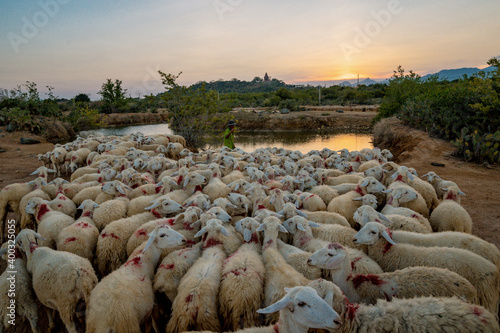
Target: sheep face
(220,214)
(299,223)
(165,206)
(308,308)
(329,257)
(370,233)
(33,204)
(403,194)
(165,237)
(371,185)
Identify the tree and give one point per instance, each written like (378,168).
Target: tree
(82,98)
(113,95)
(193,113)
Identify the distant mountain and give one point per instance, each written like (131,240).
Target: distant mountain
(455,74)
(367,82)
(345,84)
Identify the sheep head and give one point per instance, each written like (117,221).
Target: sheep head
(164,237)
(332,256)
(370,234)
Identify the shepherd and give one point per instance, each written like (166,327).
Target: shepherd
(229,134)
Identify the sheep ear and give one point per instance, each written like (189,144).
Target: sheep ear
(314,224)
(329,298)
(389,190)
(95,205)
(461,193)
(38,236)
(301,213)
(3,251)
(224,231)
(247,235)
(281,228)
(395,175)
(382,217)
(34,173)
(365,182)
(387,237)
(201,232)
(51,171)
(397,195)
(152,236)
(358,199)
(262,227)
(120,189)
(186,181)
(81,206)
(154,205)
(410,176)
(281,304)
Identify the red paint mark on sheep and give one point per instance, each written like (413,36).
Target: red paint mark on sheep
(254,238)
(268,244)
(388,245)
(41,211)
(354,261)
(142,278)
(361,278)
(170,221)
(60,205)
(143,191)
(351,310)
(478,312)
(359,190)
(33,247)
(87,214)
(141,232)
(399,178)
(136,261)
(70,239)
(335,246)
(450,196)
(190,243)
(390,200)
(62,197)
(211,242)
(259,207)
(158,189)
(198,188)
(189,298)
(112,235)
(276,328)
(156,213)
(17,253)
(180,179)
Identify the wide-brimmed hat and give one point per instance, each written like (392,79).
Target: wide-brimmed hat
(231,123)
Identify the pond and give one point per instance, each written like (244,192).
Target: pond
(251,140)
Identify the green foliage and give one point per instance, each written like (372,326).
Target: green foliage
(21,118)
(113,96)
(84,117)
(82,98)
(465,111)
(197,115)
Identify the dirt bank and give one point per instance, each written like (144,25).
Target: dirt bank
(415,148)
(326,118)
(126,119)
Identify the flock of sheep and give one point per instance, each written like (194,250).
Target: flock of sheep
(147,234)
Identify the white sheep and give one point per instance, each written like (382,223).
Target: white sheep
(80,237)
(404,196)
(421,314)
(50,222)
(110,211)
(480,272)
(83,193)
(43,172)
(196,303)
(72,190)
(325,192)
(16,285)
(438,183)
(459,240)
(279,274)
(10,198)
(449,215)
(28,220)
(63,204)
(344,204)
(61,280)
(123,309)
(112,243)
(173,268)
(393,221)
(303,238)
(57,157)
(242,282)
(297,258)
(409,282)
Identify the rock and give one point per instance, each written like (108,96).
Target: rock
(29,141)
(285,111)
(2,150)
(11,127)
(437,164)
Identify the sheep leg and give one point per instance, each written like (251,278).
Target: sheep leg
(50,316)
(34,325)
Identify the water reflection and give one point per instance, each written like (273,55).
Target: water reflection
(249,141)
(302,141)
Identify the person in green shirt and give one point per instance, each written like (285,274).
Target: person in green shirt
(229,134)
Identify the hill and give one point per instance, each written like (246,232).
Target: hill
(257,85)
(458,73)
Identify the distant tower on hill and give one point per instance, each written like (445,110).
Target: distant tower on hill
(266,78)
